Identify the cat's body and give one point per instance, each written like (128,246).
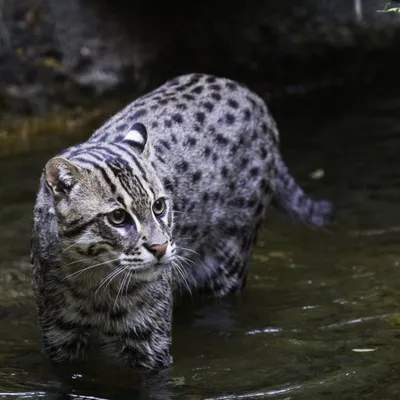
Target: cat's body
(216,151)
(207,145)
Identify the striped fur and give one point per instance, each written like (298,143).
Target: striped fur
(209,148)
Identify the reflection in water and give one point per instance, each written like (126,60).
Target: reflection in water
(320,316)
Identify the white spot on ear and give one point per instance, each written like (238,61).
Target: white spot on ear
(135,136)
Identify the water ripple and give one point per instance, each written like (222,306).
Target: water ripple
(306,387)
(360,320)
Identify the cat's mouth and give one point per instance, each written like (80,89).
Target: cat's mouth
(136,263)
(154,265)
(146,272)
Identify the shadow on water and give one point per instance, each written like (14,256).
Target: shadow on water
(320,317)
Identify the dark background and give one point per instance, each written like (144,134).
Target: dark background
(57,53)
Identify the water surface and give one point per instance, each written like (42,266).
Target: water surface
(320,317)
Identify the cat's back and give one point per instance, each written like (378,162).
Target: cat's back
(194,110)
(213,143)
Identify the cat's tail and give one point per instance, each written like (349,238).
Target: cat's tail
(289,197)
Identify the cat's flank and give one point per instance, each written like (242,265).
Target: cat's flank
(169,193)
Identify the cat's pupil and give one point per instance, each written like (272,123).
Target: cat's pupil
(117,217)
(117,214)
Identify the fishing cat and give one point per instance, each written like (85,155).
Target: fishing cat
(169,192)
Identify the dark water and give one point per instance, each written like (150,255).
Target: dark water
(320,317)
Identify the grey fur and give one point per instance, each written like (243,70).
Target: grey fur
(210,147)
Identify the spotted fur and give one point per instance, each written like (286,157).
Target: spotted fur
(209,147)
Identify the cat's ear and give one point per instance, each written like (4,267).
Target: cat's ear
(137,137)
(61,175)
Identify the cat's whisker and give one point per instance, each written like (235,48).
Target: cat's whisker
(182,273)
(185,237)
(79,261)
(109,278)
(187,249)
(129,281)
(76,273)
(176,268)
(186,260)
(69,247)
(121,285)
(185,280)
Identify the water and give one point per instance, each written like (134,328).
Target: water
(320,317)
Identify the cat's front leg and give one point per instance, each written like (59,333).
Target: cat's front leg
(64,345)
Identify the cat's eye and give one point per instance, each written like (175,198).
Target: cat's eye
(159,207)
(117,217)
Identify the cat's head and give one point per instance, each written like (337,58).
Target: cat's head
(111,208)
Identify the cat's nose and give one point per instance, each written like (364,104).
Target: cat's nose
(158,250)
